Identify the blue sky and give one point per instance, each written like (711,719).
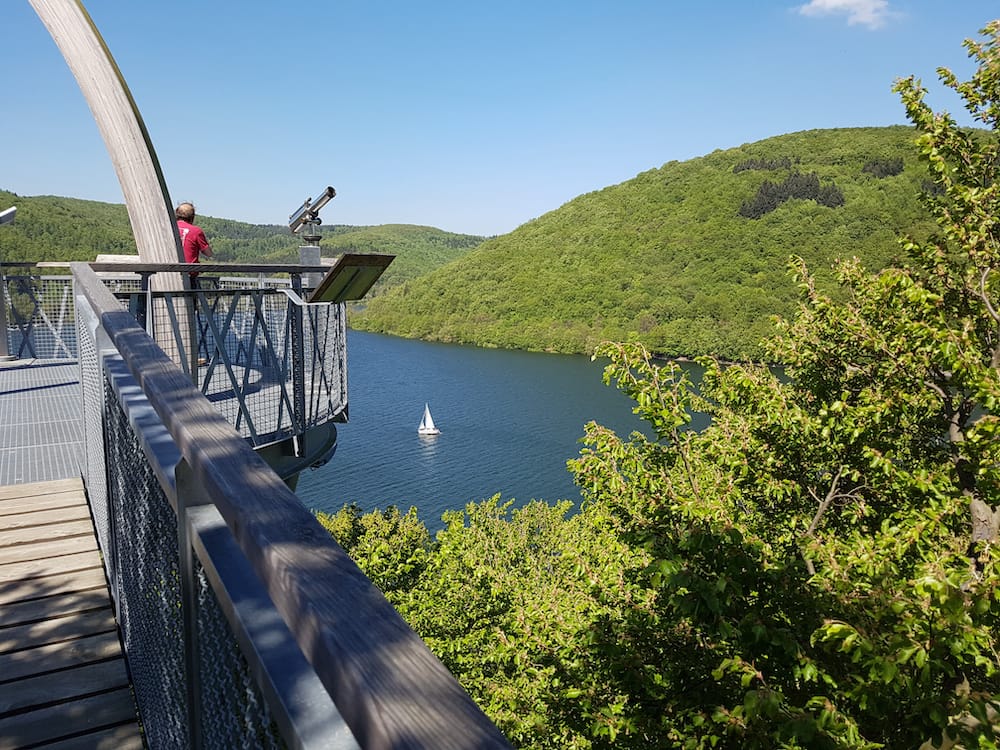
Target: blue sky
(471,117)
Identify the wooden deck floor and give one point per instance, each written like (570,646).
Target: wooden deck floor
(63,682)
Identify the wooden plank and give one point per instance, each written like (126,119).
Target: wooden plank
(43,517)
(48,501)
(19,613)
(49,566)
(66,719)
(122,737)
(16,591)
(35,489)
(56,630)
(66,684)
(33,661)
(52,531)
(43,549)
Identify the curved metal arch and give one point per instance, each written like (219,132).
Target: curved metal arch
(121,126)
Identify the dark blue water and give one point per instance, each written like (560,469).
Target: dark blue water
(509,421)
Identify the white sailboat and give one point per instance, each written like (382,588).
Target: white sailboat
(427,424)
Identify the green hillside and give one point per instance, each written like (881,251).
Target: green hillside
(689,258)
(50,228)
(418,249)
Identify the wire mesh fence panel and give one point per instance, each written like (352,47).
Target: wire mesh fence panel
(234,713)
(324,342)
(40,317)
(227,617)
(40,314)
(258,281)
(272,367)
(239,348)
(143,559)
(148,583)
(93,459)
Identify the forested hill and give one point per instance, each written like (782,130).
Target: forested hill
(418,249)
(690,258)
(62,229)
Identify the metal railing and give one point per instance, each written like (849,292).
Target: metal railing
(244,623)
(39,311)
(273,365)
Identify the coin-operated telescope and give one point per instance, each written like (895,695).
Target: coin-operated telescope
(350,276)
(307,215)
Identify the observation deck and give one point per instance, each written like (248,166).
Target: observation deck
(160,583)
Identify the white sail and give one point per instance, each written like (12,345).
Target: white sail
(427,423)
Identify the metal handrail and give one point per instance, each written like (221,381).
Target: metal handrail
(260,368)
(389,688)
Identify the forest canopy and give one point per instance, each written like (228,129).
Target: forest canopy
(688,259)
(57,229)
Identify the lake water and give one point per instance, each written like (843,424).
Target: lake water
(509,421)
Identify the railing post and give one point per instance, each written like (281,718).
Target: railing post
(6,217)
(298,362)
(190,494)
(5,355)
(143,303)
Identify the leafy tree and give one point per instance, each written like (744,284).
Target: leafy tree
(823,565)
(763,164)
(815,569)
(392,547)
(503,597)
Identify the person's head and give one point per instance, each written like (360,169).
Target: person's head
(185,212)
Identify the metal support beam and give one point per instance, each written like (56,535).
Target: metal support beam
(6,217)
(121,126)
(298,366)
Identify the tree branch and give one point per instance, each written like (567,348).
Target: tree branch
(982,293)
(824,504)
(995,359)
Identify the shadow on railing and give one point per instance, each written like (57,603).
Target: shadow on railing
(244,623)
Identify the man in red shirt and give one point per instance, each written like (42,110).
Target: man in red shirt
(192,237)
